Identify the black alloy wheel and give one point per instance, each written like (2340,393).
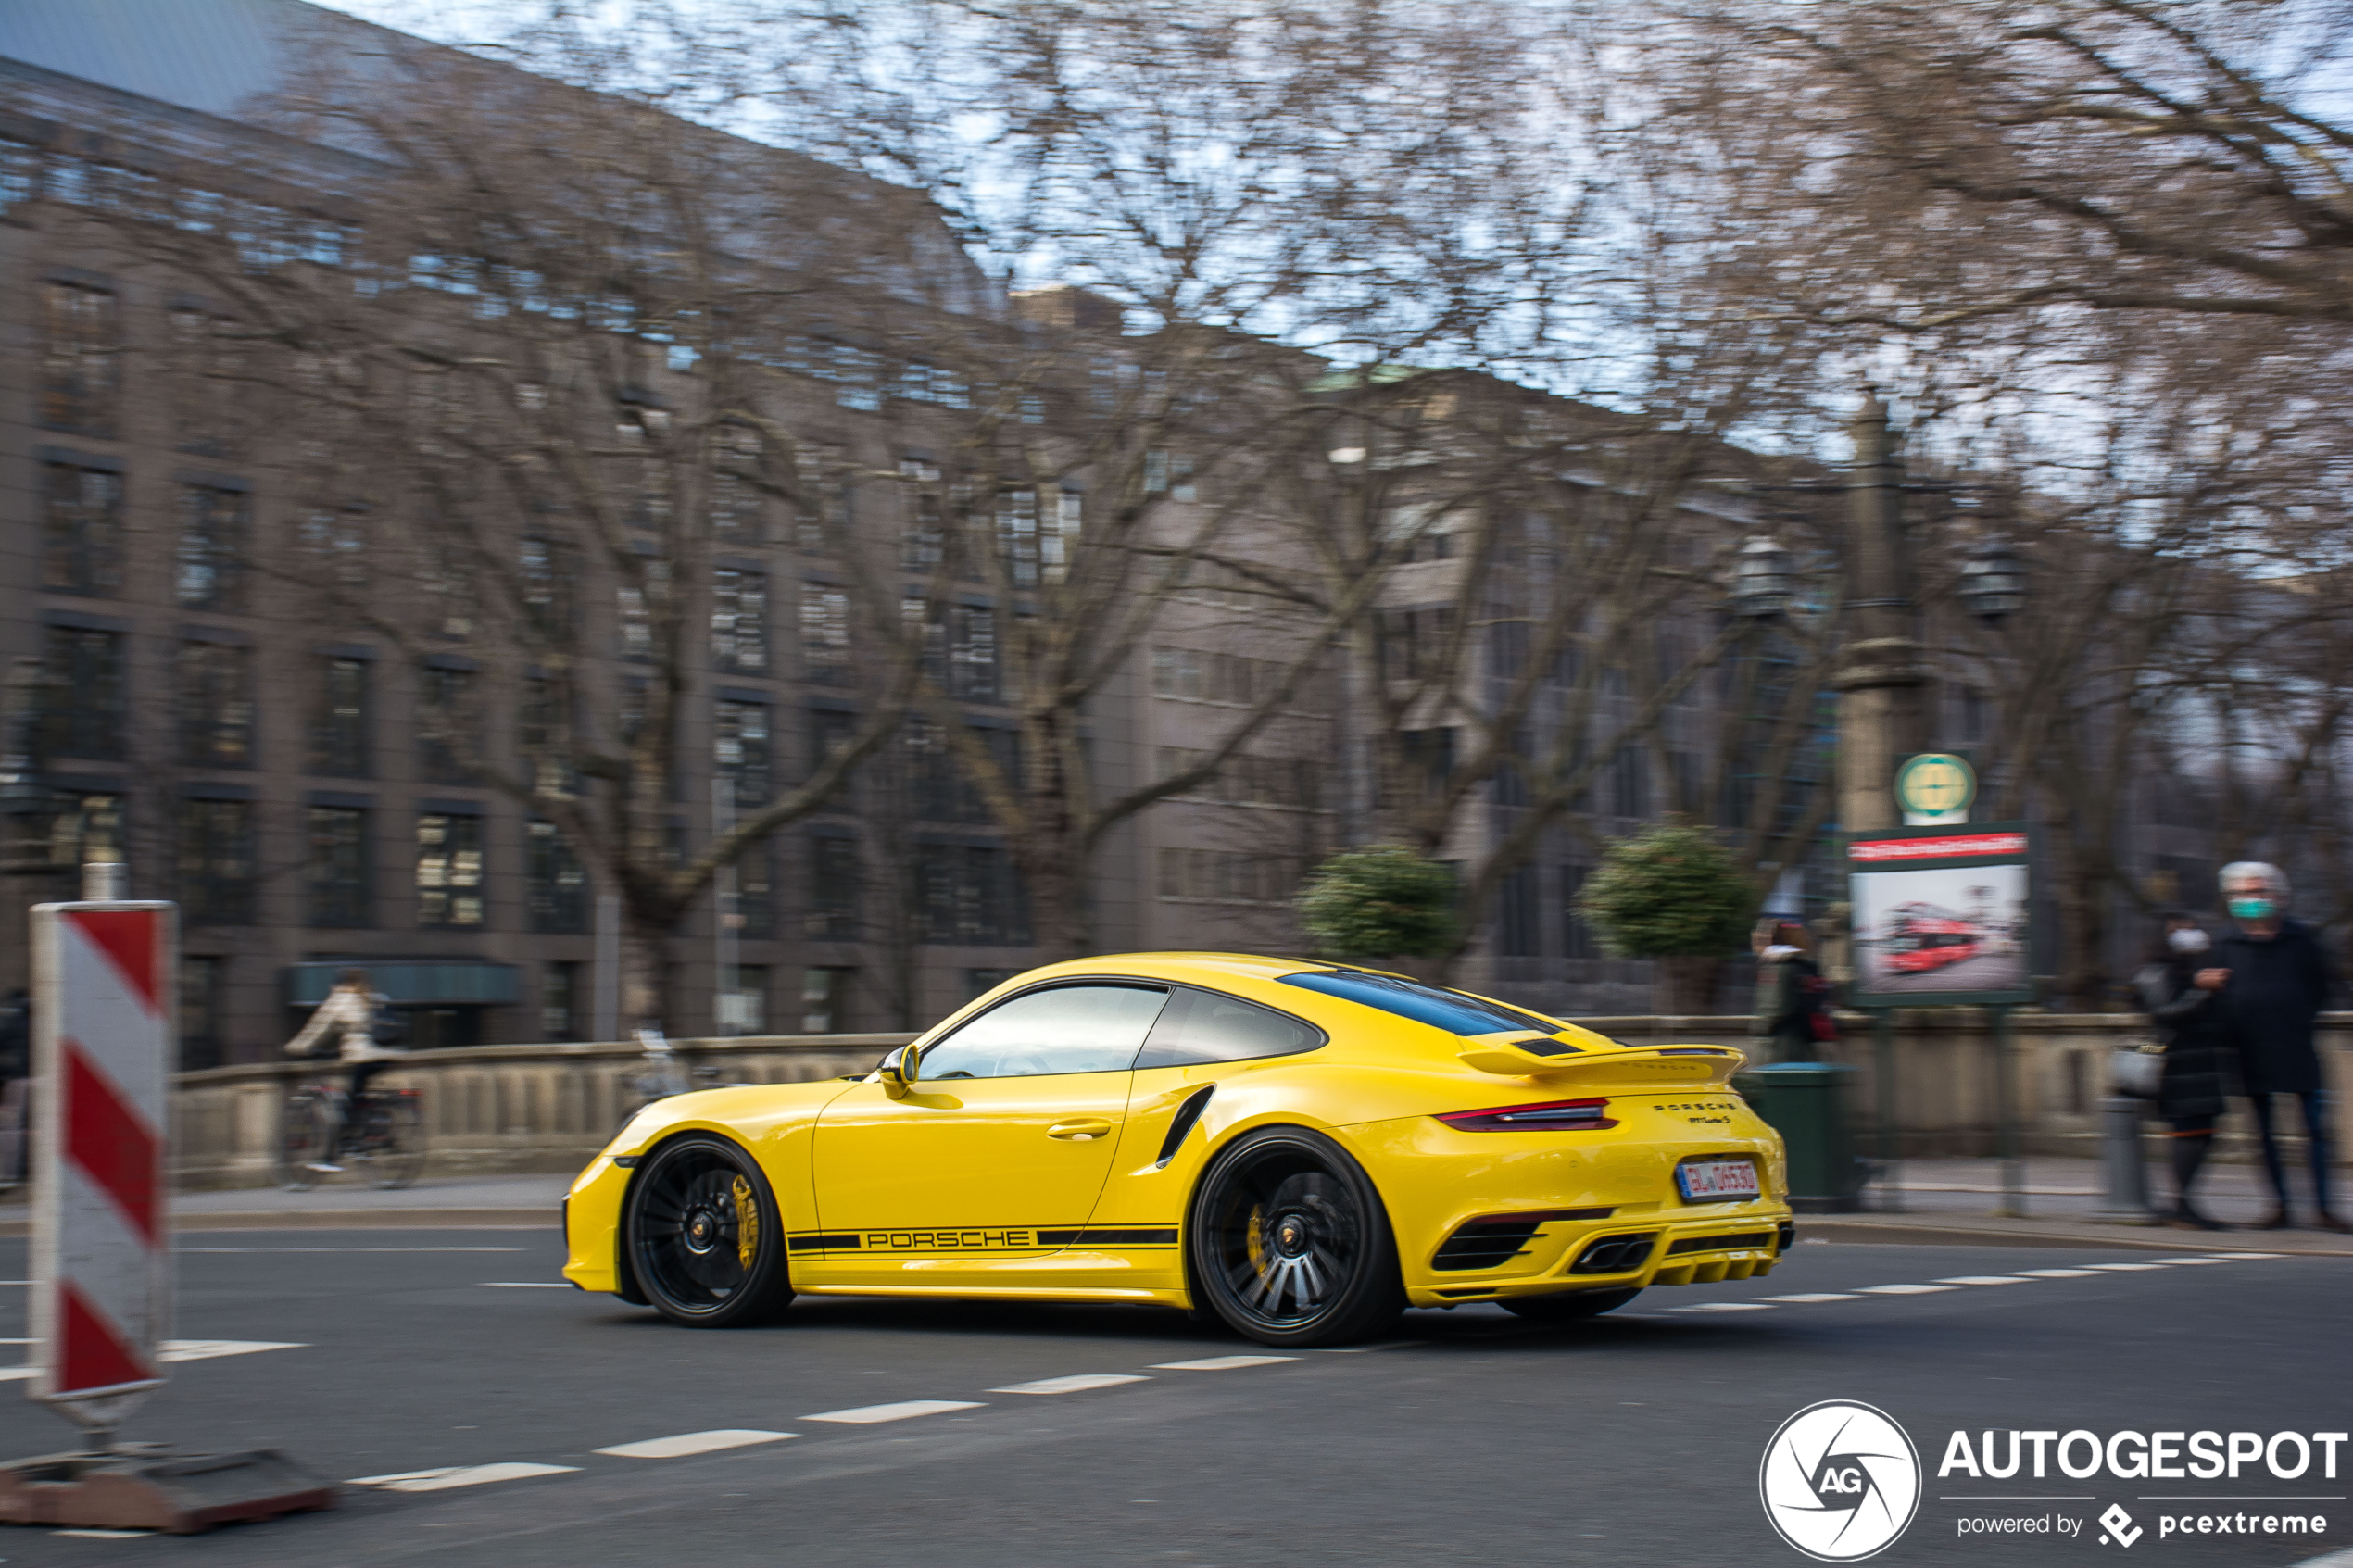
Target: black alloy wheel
(1289,1244)
(703,1237)
(1566,1305)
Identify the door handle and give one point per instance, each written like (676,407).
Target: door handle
(1080,1130)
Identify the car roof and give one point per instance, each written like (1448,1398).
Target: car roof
(1179,966)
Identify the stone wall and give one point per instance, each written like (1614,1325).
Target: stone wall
(497,1108)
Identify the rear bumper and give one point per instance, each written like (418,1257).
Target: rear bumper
(1635,1251)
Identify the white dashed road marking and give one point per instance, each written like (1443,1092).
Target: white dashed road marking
(526,1284)
(1728,1307)
(1815,1296)
(1902,1290)
(206,1349)
(1982,1279)
(1077,1384)
(2125,1268)
(1220,1363)
(2058,1274)
(868,1415)
(688,1443)
(458,1475)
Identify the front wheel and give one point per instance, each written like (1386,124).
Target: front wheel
(704,1236)
(1288,1242)
(393,1148)
(1566,1305)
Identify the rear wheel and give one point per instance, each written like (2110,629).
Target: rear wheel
(1569,1304)
(703,1235)
(1288,1242)
(306,1127)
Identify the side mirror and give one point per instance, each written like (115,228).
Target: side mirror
(896,1072)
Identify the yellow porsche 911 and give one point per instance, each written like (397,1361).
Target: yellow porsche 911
(1303,1148)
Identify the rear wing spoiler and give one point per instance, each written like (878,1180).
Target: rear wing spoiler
(1633,1067)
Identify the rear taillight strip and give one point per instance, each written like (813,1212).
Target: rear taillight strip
(1545,1116)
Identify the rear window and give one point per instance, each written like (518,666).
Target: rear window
(1450,1010)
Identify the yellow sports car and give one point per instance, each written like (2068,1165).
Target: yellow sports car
(1303,1148)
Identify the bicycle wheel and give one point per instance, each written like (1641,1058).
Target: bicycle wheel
(304,1126)
(396,1143)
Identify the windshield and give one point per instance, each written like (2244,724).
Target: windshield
(1451,1010)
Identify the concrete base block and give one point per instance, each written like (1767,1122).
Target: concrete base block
(180,1494)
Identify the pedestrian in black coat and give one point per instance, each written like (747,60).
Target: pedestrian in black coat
(2277,982)
(2187,1015)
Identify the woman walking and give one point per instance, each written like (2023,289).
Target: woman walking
(1789,993)
(2178,991)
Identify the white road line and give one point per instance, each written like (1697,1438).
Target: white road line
(15,1342)
(2194,1263)
(1984,1279)
(29,1282)
(177,1350)
(2058,1274)
(1901,1290)
(2125,1268)
(1815,1296)
(688,1443)
(88,1534)
(1078,1383)
(868,1415)
(2235,1257)
(349,1250)
(444,1479)
(526,1284)
(1363,1350)
(1220,1363)
(206,1349)
(1727,1307)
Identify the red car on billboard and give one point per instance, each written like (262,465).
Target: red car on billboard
(1923,936)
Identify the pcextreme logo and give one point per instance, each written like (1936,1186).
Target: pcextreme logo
(1840,1481)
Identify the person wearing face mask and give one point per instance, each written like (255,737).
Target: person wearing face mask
(2275,980)
(2178,989)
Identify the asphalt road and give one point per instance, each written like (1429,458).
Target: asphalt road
(1999,972)
(1474,1438)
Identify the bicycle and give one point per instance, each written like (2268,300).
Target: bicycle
(383,1137)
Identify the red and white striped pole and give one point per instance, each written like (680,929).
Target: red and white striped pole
(104,992)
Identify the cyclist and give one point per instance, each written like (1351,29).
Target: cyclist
(350,1011)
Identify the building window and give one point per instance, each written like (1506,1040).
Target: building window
(972,653)
(744,1010)
(84,826)
(546,590)
(447,735)
(829,730)
(1577,937)
(979,982)
(1629,794)
(1228,876)
(81,693)
(971,895)
(81,535)
(825,634)
(556,883)
(560,1013)
(833,889)
(339,729)
(338,544)
(80,370)
(216,862)
(924,544)
(740,749)
(739,619)
(1169,474)
(1519,928)
(203,1038)
(210,568)
(340,883)
(449,869)
(1017,541)
(756,891)
(824,998)
(216,705)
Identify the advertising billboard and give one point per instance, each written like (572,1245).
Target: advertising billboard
(1941,915)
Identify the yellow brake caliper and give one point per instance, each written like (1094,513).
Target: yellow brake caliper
(746,1223)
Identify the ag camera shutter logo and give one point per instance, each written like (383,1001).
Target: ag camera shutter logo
(1839,1481)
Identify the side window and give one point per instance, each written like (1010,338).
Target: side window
(1208,1026)
(1065,1029)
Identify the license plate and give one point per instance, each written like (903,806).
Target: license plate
(1712,1181)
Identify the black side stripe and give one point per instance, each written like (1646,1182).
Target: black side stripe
(1138,1238)
(822,1243)
(1182,1122)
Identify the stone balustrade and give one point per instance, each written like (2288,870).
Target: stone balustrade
(496,1108)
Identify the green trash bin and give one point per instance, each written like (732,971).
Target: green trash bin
(1806,1103)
